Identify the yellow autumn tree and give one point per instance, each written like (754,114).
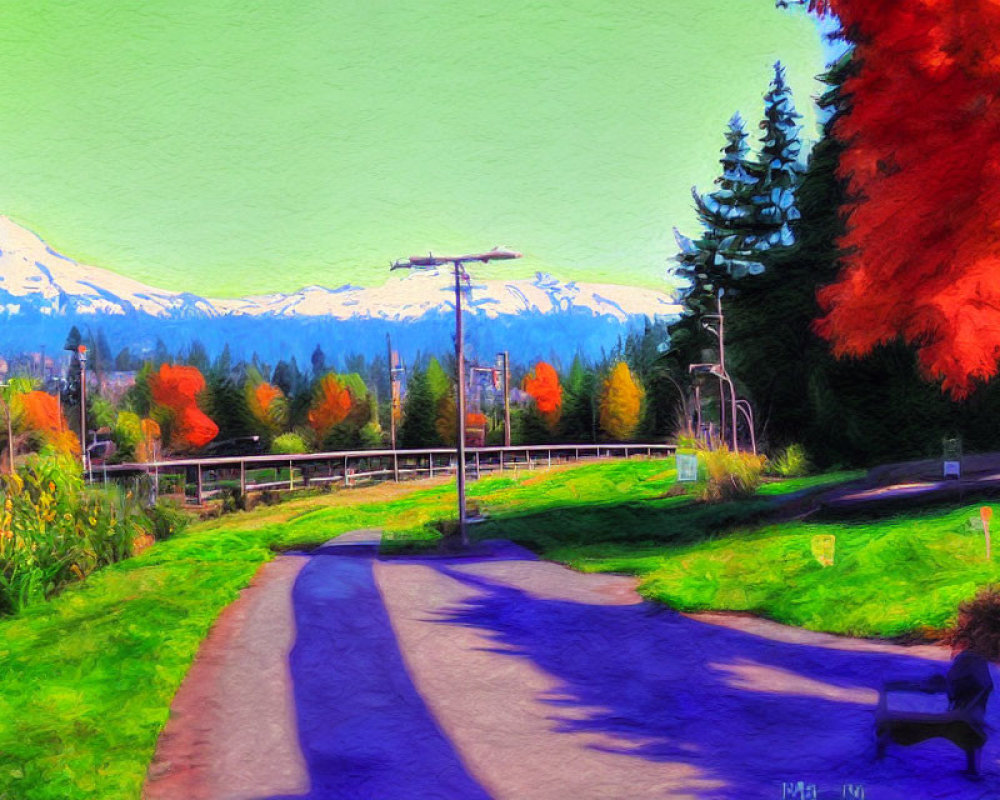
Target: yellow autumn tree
(621,403)
(149,446)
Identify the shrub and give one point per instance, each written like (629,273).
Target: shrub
(978,625)
(729,475)
(233,500)
(792,463)
(289,444)
(166,519)
(371,437)
(54,531)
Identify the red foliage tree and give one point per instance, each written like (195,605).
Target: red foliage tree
(543,385)
(176,388)
(923,162)
(331,406)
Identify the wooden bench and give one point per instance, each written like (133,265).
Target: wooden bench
(951,706)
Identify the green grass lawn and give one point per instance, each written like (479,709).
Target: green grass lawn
(902,575)
(87,678)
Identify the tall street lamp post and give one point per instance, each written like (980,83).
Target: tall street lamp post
(720,333)
(458,263)
(81,353)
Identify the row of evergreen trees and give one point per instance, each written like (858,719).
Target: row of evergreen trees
(284,404)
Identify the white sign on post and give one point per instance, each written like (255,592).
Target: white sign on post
(952,469)
(687,467)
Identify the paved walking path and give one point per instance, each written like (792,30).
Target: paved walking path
(506,676)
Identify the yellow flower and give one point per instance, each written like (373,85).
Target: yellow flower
(93,521)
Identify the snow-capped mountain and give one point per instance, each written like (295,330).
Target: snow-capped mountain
(35,277)
(43,294)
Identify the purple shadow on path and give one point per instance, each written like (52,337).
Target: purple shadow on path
(743,708)
(363,728)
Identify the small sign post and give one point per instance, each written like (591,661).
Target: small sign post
(823,547)
(985,513)
(952,458)
(687,467)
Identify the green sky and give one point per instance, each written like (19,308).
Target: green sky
(229,148)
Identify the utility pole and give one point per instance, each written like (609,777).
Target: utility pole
(460,432)
(392,395)
(458,266)
(505,355)
(722,367)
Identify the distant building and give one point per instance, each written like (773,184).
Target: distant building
(114,385)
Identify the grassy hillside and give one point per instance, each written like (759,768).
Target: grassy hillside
(86,680)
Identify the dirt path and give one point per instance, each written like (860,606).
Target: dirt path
(510,677)
(232,727)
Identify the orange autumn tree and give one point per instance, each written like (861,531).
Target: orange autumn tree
(331,405)
(543,386)
(176,389)
(621,403)
(41,415)
(922,161)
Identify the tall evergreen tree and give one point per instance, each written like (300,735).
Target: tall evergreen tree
(198,356)
(748,224)
(226,404)
(318,361)
(578,422)
(224,363)
(71,389)
(124,361)
(417,429)
(726,250)
(779,170)
(160,353)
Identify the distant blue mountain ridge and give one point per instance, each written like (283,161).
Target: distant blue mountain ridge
(43,294)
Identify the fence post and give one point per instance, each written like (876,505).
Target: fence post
(291,476)
(550,458)
(395,467)
(430,463)
(501,460)
(477,466)
(527,457)
(243,478)
(347,477)
(198,487)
